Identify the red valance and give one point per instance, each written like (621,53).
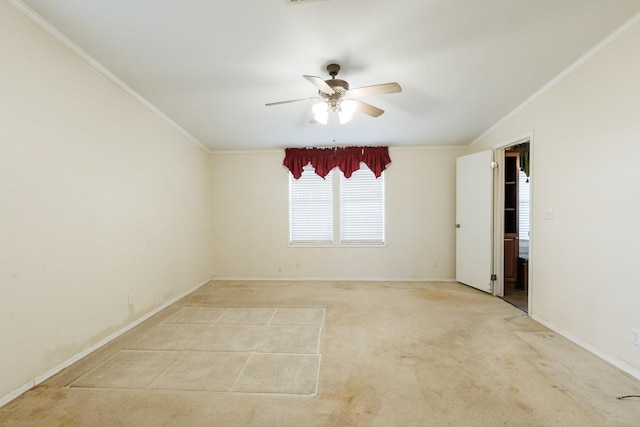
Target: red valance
(346,158)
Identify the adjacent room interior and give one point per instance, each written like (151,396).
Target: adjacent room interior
(517,213)
(150,273)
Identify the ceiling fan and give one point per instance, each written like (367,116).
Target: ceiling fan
(336,97)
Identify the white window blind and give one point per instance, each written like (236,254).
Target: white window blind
(311,209)
(524,206)
(362,208)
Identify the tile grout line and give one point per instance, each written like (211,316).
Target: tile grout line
(315,394)
(321,332)
(156,390)
(166,370)
(275,311)
(144,335)
(70,385)
(221,316)
(241,371)
(108,359)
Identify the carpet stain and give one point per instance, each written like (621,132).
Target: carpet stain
(526,408)
(433,295)
(346,286)
(357,404)
(46,405)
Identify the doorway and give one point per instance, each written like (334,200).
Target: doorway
(482,246)
(515,211)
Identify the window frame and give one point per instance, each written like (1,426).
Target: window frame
(312,243)
(336,226)
(362,243)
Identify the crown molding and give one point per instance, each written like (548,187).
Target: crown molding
(67,42)
(599,47)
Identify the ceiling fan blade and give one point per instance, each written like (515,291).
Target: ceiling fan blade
(292,100)
(368,109)
(374,90)
(320,84)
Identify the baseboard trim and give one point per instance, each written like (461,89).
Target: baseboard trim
(332,279)
(607,358)
(40,378)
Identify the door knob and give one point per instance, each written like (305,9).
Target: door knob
(457,225)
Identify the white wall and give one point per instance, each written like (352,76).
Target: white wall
(251,221)
(99,199)
(584,277)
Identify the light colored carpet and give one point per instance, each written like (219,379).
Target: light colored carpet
(388,354)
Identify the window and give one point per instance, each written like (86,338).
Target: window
(359,208)
(311,209)
(524,206)
(362,208)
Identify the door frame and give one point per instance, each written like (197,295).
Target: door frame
(498,226)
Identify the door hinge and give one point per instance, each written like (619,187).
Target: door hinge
(494,277)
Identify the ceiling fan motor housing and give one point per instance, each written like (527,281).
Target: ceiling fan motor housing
(339,86)
(333,70)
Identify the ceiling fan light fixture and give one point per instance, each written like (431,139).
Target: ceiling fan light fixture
(336,97)
(321,112)
(347,108)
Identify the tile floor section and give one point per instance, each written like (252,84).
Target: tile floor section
(228,350)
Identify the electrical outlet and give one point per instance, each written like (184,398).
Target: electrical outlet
(635,336)
(298,263)
(549,214)
(130,300)
(435,263)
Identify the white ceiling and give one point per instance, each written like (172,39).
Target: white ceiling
(211,66)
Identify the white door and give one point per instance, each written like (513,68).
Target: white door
(474,201)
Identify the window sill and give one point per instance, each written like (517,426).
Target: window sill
(311,245)
(363,245)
